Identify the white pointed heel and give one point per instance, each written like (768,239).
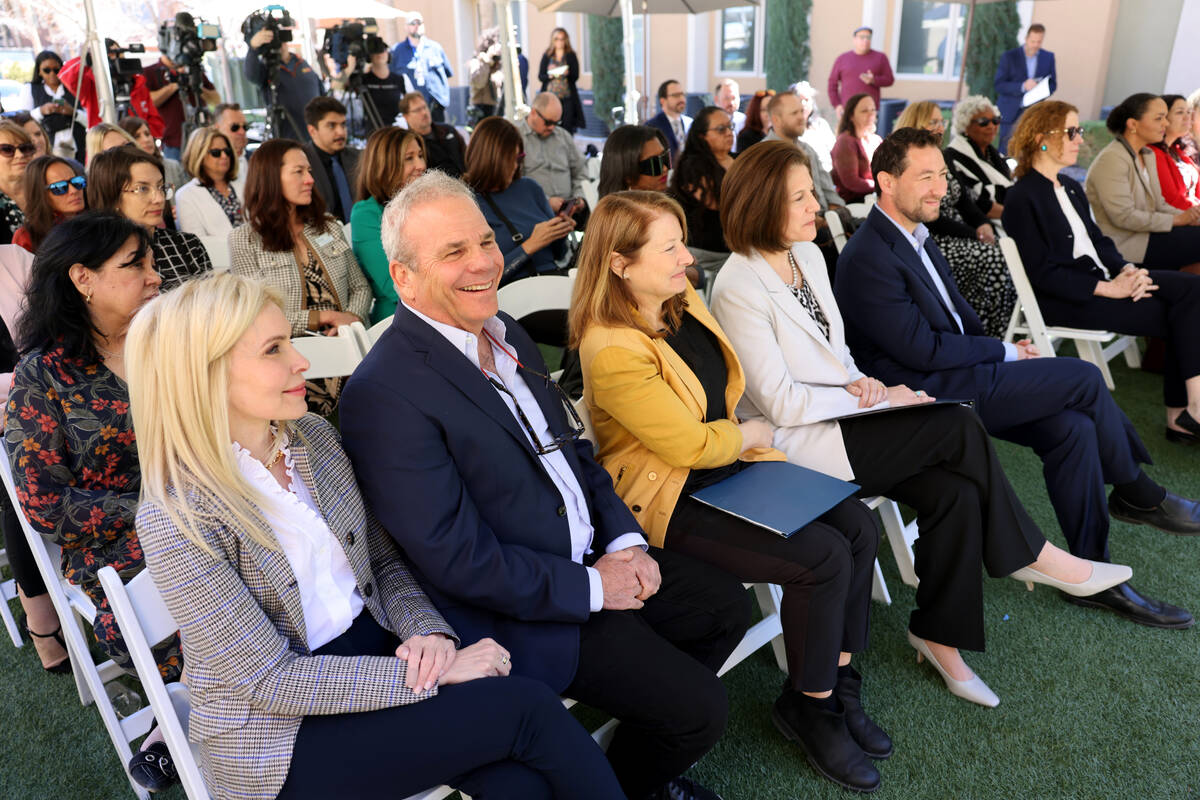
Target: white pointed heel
(1104,576)
(974,689)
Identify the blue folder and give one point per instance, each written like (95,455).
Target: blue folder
(776,495)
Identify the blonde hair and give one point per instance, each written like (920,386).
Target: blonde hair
(619,225)
(917,115)
(197,147)
(177,354)
(94,140)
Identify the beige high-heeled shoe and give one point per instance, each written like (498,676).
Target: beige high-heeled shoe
(974,689)
(1104,576)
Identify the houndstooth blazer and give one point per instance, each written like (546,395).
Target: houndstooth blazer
(281,270)
(249,670)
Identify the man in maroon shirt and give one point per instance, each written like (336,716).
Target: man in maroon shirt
(859,70)
(162,79)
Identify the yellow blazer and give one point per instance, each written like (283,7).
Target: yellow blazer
(647,410)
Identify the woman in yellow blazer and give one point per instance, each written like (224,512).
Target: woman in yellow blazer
(661,382)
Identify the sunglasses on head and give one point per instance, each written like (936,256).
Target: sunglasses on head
(654,165)
(59,188)
(217,152)
(235,127)
(983,122)
(1072,133)
(10,150)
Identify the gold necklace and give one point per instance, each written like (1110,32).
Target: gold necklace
(274,459)
(109,354)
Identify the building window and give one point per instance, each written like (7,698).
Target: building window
(931,40)
(738,39)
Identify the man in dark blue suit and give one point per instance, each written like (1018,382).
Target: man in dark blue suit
(670,119)
(906,323)
(1019,70)
(466,453)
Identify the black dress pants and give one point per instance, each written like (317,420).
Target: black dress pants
(655,669)
(1171,313)
(1173,249)
(506,738)
(16,546)
(940,461)
(825,570)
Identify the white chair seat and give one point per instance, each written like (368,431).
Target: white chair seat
(332,356)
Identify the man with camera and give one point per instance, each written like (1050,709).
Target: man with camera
(444,146)
(551,158)
(271,64)
(381,83)
(163,79)
(424,62)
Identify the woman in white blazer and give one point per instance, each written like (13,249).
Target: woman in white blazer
(801,378)
(208,204)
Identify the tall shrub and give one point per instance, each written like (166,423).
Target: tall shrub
(994,30)
(608,65)
(788,55)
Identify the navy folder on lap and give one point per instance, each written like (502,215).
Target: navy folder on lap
(776,495)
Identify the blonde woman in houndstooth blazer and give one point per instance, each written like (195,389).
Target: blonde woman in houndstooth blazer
(317,666)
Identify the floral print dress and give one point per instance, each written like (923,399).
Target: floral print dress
(11,218)
(70,437)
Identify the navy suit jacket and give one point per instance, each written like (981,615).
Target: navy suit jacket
(448,470)
(1011,73)
(1036,222)
(897,326)
(661,122)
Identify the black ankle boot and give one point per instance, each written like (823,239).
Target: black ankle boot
(823,736)
(870,737)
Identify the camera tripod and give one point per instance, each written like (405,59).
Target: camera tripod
(354,86)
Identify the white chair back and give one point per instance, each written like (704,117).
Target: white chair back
(523,297)
(836,230)
(218,251)
(331,356)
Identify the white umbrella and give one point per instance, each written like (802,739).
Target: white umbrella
(625,9)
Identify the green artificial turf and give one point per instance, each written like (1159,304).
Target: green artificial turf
(1091,706)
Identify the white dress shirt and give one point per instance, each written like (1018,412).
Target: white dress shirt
(325,580)
(556,464)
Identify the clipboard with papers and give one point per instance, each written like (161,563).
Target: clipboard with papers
(1037,94)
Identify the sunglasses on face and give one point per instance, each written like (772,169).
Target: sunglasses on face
(1072,133)
(10,150)
(217,152)
(983,122)
(549,123)
(59,188)
(50,70)
(655,165)
(235,127)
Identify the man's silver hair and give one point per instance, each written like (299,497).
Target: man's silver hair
(430,187)
(970,107)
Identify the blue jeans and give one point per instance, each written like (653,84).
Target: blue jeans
(172,152)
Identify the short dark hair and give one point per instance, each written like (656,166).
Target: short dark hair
(662,88)
(892,154)
(1036,27)
(317,108)
(109,171)
(1132,107)
(267,210)
(754,201)
(622,152)
(223,107)
(55,313)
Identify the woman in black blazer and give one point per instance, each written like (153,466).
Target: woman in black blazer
(1081,279)
(558,73)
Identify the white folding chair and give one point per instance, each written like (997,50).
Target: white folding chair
(526,296)
(331,356)
(73,607)
(8,591)
(836,230)
(218,251)
(1098,347)
(369,336)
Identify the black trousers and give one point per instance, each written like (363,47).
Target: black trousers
(825,571)
(1173,249)
(940,461)
(654,669)
(16,546)
(1171,313)
(492,737)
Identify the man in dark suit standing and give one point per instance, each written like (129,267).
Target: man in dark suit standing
(334,165)
(907,323)
(1019,70)
(670,119)
(465,452)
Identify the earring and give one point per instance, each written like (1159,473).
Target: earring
(625,275)
(1043,148)
(88,298)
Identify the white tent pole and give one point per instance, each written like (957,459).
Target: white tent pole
(95,46)
(514,102)
(631,92)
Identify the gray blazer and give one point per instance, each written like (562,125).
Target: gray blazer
(1127,207)
(281,271)
(251,675)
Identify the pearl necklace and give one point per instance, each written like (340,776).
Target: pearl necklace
(796,279)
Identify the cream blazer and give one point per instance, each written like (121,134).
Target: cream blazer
(1127,206)
(795,378)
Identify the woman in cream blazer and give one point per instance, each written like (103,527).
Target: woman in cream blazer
(661,382)
(801,378)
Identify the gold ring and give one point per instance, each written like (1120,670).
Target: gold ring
(503,659)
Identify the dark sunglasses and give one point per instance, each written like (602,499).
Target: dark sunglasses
(654,165)
(557,441)
(217,152)
(50,70)
(235,127)
(10,150)
(549,123)
(59,188)
(1073,133)
(983,122)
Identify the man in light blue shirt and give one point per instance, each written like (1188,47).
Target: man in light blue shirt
(424,62)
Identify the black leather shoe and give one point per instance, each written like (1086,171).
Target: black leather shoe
(152,768)
(682,788)
(1175,514)
(1127,602)
(825,740)
(870,737)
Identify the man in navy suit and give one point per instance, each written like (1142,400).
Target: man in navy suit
(671,120)
(465,452)
(906,323)
(1019,70)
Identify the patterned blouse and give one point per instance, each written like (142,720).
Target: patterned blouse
(69,434)
(319,294)
(178,256)
(808,300)
(11,218)
(231,205)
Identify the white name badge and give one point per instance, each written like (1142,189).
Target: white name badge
(324,240)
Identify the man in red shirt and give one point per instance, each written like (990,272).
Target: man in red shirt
(859,70)
(162,79)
